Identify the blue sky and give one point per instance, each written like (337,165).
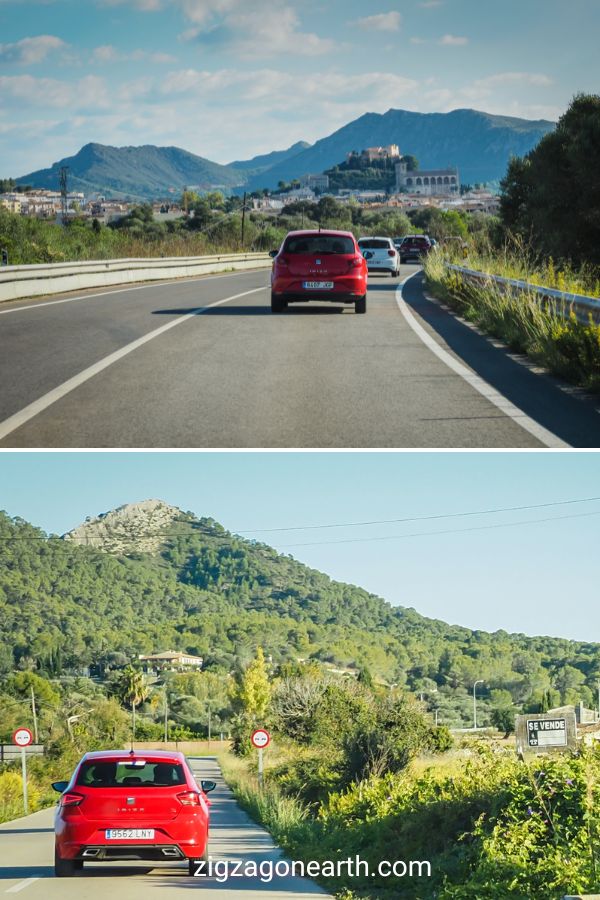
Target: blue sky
(228,79)
(533,578)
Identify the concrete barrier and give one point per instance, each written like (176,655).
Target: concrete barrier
(40,280)
(563,303)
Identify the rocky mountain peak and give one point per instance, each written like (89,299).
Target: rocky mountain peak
(134,527)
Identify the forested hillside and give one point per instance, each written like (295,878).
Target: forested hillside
(65,606)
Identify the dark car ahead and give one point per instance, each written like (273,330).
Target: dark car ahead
(319,265)
(414,246)
(130,805)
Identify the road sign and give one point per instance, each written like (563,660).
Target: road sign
(260,738)
(22,737)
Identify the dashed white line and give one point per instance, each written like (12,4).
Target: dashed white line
(20,886)
(486,390)
(33,409)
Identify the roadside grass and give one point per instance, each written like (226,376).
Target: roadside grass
(564,346)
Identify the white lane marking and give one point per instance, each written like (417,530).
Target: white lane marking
(21,885)
(124,290)
(33,409)
(486,390)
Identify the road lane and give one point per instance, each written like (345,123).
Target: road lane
(27,848)
(237,376)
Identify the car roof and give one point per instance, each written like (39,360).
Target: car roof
(151,755)
(309,231)
(375,237)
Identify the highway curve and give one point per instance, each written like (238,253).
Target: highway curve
(204,363)
(27,855)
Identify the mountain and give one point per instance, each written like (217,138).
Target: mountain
(148,577)
(267,160)
(478,143)
(138,173)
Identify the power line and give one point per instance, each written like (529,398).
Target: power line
(368,523)
(398,537)
(481,512)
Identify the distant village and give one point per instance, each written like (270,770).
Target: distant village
(413,189)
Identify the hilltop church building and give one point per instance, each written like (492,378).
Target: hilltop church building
(430,183)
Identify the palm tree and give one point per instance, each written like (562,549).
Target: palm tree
(132,690)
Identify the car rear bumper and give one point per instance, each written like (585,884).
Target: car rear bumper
(100,852)
(345,289)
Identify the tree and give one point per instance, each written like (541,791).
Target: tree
(552,196)
(254,690)
(131,686)
(503,718)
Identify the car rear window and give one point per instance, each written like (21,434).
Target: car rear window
(374,244)
(125,773)
(417,242)
(319,243)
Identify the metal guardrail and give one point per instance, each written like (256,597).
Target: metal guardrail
(36,280)
(563,303)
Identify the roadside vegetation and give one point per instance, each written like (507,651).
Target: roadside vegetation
(536,242)
(356,770)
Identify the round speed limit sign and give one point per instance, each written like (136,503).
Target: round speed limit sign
(260,738)
(22,737)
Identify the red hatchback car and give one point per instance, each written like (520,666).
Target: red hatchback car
(122,805)
(319,265)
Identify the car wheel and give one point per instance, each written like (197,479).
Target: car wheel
(64,868)
(277,304)
(360,304)
(193,863)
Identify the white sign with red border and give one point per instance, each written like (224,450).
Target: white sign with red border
(22,737)
(260,738)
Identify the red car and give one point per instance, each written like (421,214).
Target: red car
(124,805)
(319,265)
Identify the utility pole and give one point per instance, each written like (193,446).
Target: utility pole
(209,724)
(132,723)
(63,175)
(243,218)
(166,715)
(479,681)
(34,713)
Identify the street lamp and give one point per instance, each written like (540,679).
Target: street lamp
(479,681)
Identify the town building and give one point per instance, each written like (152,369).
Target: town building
(170,660)
(392,151)
(315,182)
(430,182)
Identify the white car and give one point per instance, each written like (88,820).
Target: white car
(381,255)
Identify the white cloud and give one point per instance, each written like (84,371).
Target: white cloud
(107,53)
(417,40)
(451,40)
(390,21)
(30,50)
(90,91)
(431,4)
(533,78)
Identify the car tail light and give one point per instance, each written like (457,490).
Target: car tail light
(71,799)
(391,252)
(189,798)
(357,262)
(282,261)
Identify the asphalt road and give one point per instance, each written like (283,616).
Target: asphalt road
(204,363)
(27,861)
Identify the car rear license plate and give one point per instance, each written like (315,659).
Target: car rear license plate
(129,834)
(317,285)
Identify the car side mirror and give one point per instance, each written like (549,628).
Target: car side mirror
(273,253)
(208,786)
(60,786)
(367,254)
